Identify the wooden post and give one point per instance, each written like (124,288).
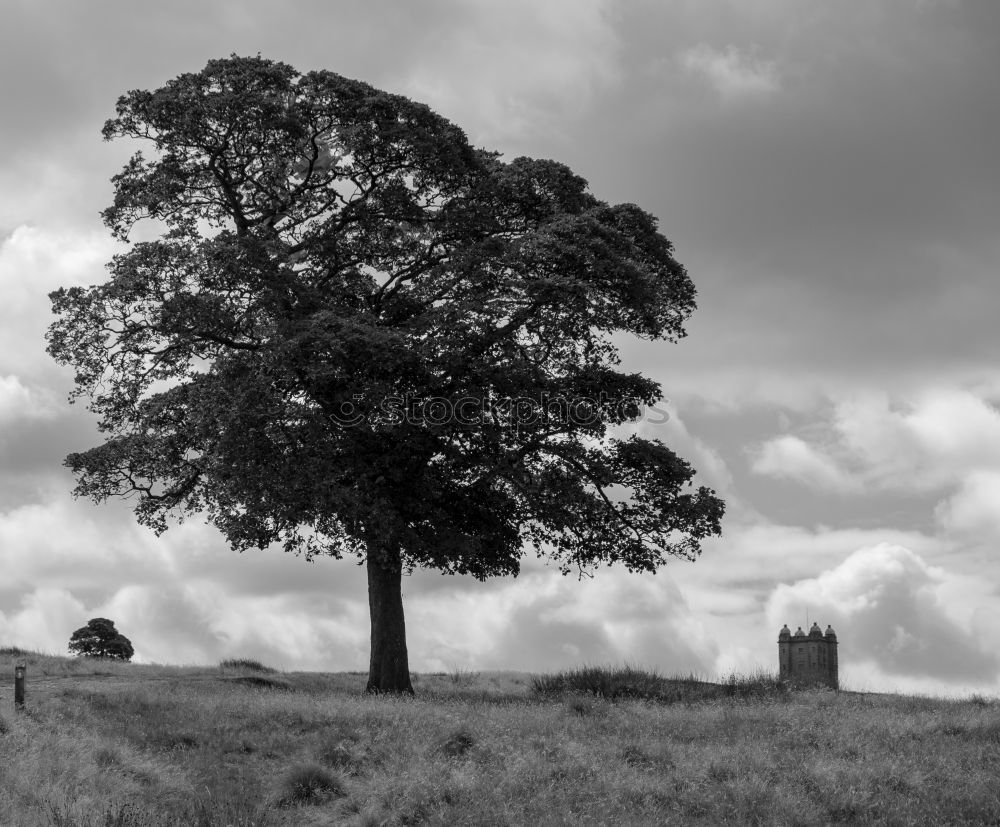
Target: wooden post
(19,671)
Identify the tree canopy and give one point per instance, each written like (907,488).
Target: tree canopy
(100,639)
(357,334)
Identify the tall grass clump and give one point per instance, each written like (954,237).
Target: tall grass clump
(249,664)
(609,682)
(310,784)
(627,681)
(757,684)
(458,743)
(463,677)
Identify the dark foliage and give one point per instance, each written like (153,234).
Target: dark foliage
(100,639)
(358,334)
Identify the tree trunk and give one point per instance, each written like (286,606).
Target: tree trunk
(389,670)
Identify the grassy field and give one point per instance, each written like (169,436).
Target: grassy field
(104,743)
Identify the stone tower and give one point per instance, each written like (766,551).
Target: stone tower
(808,660)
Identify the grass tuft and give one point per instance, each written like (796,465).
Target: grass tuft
(107,757)
(370,818)
(261,682)
(635,756)
(580,705)
(463,677)
(458,743)
(342,755)
(310,784)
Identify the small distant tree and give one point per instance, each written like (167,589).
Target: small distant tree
(100,639)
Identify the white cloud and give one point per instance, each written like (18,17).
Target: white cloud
(65,544)
(790,457)
(894,618)
(46,619)
(204,622)
(19,402)
(924,441)
(33,262)
(974,509)
(752,556)
(549,622)
(917,442)
(729,590)
(731,71)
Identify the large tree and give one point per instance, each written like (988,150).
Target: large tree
(356,334)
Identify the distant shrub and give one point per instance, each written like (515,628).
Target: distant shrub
(247,663)
(100,639)
(310,784)
(17,651)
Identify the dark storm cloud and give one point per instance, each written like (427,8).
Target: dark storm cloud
(843,222)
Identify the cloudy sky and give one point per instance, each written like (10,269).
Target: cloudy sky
(828,175)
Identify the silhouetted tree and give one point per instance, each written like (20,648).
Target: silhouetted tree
(358,334)
(100,639)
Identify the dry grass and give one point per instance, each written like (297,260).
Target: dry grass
(149,746)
